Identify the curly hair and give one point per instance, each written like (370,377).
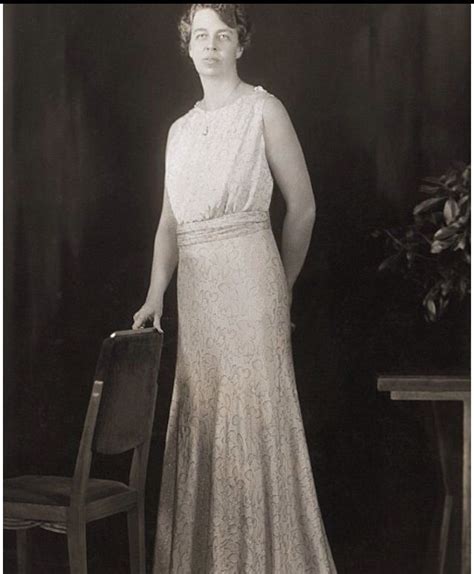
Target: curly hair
(234,15)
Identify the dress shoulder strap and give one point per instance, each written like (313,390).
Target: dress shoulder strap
(262,90)
(263,97)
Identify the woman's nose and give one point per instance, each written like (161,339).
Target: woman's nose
(210,44)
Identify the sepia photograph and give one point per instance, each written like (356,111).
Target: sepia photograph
(237,297)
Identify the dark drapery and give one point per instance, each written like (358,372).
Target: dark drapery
(379,95)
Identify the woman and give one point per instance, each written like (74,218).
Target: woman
(237,491)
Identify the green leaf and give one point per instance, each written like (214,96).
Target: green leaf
(445,232)
(429,189)
(461,244)
(466,176)
(427,205)
(390,262)
(451,210)
(431,308)
(438,246)
(433,181)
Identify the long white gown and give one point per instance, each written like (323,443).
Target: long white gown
(237,492)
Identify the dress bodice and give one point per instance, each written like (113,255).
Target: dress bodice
(216,162)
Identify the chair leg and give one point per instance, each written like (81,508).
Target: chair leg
(22,550)
(136,539)
(77,548)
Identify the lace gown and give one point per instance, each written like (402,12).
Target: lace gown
(237,492)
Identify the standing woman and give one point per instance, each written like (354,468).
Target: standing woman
(237,492)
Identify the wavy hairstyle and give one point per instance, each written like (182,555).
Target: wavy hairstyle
(234,15)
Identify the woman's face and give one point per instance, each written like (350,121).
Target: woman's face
(214,46)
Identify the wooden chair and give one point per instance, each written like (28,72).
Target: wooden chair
(119,418)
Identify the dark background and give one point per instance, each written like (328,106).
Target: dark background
(379,95)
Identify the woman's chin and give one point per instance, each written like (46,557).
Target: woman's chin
(208,72)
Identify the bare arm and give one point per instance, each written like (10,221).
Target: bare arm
(289,169)
(165,259)
(165,254)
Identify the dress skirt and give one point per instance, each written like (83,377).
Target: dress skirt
(237,492)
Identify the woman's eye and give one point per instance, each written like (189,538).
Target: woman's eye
(224,36)
(200,35)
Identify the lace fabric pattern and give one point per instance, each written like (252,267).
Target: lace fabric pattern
(225,171)
(237,492)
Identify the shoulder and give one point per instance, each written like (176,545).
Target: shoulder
(179,122)
(274,111)
(176,126)
(278,129)
(270,107)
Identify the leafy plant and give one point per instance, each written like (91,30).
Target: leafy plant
(434,249)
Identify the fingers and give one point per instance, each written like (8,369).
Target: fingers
(139,320)
(136,320)
(137,324)
(157,323)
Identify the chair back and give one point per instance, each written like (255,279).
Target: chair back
(128,365)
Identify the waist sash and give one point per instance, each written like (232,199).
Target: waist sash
(223,227)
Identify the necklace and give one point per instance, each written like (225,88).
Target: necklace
(206,127)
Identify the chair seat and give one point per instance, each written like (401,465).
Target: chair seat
(48,497)
(56,490)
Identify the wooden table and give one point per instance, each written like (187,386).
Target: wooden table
(442,388)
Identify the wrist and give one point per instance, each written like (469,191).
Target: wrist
(154,299)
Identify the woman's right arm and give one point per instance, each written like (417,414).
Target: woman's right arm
(165,259)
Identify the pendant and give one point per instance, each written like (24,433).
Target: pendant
(205,131)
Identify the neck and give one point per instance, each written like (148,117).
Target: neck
(217,90)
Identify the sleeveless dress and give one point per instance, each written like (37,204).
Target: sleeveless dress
(237,492)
